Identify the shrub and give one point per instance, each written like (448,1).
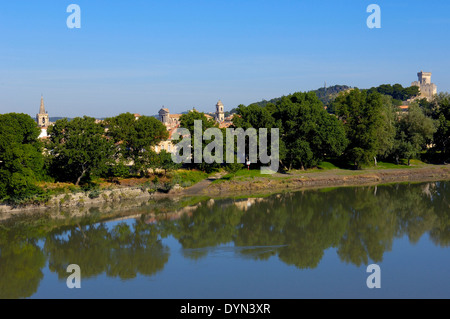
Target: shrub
(94,194)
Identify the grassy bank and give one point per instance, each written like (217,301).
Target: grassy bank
(327,175)
(243,182)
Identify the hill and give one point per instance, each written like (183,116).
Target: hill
(53,119)
(326,95)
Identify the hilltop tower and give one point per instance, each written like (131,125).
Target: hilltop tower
(42,117)
(427,89)
(220,115)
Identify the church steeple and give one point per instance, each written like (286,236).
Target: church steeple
(42,117)
(42,108)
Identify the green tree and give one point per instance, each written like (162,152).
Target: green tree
(410,92)
(386,135)
(233,168)
(135,138)
(397,92)
(403,147)
(254,116)
(187,121)
(414,132)
(442,135)
(363,114)
(308,133)
(78,149)
(163,161)
(430,108)
(21,159)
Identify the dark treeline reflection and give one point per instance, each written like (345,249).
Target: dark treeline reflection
(122,251)
(360,223)
(20,269)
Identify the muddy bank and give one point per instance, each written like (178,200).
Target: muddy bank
(332,178)
(119,198)
(79,203)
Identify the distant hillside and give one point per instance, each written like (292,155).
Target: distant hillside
(264,103)
(55,118)
(326,95)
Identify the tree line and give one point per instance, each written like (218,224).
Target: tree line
(366,127)
(76,151)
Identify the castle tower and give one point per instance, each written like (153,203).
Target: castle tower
(427,89)
(42,118)
(164,115)
(424,77)
(220,115)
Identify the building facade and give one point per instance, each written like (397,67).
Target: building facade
(172,123)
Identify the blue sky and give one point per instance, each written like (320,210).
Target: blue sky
(135,56)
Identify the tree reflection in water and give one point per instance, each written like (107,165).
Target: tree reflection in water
(122,251)
(296,227)
(361,223)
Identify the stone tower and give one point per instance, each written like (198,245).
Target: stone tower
(164,115)
(220,115)
(427,89)
(42,118)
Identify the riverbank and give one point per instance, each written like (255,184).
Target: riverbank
(325,178)
(248,183)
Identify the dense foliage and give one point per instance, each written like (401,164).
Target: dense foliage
(442,134)
(397,92)
(135,139)
(21,159)
(362,113)
(326,95)
(78,149)
(187,121)
(307,132)
(356,129)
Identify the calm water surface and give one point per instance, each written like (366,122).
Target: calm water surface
(309,244)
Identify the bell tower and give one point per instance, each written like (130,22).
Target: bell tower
(220,115)
(42,118)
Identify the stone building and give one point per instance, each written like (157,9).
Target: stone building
(42,117)
(427,89)
(219,115)
(172,122)
(43,120)
(166,145)
(164,115)
(169,120)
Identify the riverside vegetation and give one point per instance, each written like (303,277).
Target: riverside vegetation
(357,129)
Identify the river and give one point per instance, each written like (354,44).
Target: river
(291,245)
